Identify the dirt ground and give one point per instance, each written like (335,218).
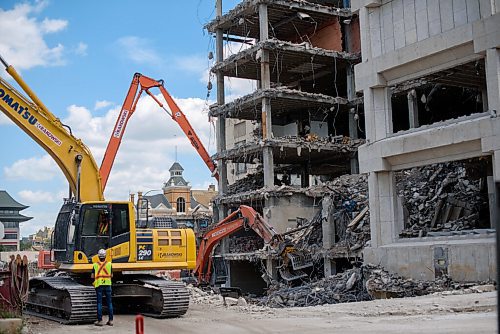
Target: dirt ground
(468,313)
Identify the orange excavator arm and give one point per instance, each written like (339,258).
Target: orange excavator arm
(244,216)
(141,83)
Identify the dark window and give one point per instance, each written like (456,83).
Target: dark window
(10,236)
(92,220)
(181,204)
(10,224)
(120,219)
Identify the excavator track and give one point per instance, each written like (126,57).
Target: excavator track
(154,296)
(62,299)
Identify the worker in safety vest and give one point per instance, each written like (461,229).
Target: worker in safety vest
(102,274)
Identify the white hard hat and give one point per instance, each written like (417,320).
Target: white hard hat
(101,253)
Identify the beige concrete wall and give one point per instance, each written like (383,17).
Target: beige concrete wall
(469,259)
(402,40)
(282,212)
(396,24)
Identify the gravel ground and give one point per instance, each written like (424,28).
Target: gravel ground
(438,313)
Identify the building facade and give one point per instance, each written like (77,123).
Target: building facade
(178,205)
(10,218)
(299,125)
(430,76)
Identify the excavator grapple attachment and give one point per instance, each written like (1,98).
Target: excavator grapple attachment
(300,260)
(289,276)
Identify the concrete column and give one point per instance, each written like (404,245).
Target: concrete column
(492,202)
(492,63)
(221,121)
(493,79)
(228,272)
(496,165)
(364,29)
(413,109)
(493,193)
(328,229)
(272,268)
(265,83)
(353,122)
(378,113)
(383,208)
(221,135)
(484,99)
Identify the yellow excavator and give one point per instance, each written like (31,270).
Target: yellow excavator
(87,223)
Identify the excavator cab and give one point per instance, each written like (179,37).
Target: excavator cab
(83,229)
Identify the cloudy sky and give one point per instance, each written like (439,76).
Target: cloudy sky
(79,57)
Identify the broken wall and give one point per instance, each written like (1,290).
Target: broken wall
(328,37)
(282,212)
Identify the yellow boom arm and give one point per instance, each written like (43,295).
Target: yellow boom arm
(72,156)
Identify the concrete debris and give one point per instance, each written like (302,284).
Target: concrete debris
(364,283)
(441,198)
(248,183)
(346,199)
(245,244)
(283,99)
(199,296)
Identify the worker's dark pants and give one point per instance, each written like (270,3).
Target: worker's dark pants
(100,290)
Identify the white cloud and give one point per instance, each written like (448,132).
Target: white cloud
(193,63)
(22,39)
(236,87)
(30,196)
(138,50)
(4,120)
(50,26)
(41,218)
(102,104)
(148,146)
(44,166)
(81,49)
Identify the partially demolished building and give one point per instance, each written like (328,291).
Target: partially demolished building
(430,76)
(306,113)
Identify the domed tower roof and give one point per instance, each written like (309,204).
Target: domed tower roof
(176,167)
(176,178)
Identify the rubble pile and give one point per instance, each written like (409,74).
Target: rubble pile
(357,284)
(198,296)
(345,202)
(445,197)
(245,244)
(250,182)
(352,219)
(341,288)
(339,144)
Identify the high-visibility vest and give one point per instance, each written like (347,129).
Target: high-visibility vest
(102,273)
(103,228)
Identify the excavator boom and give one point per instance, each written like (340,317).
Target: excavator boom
(70,154)
(141,83)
